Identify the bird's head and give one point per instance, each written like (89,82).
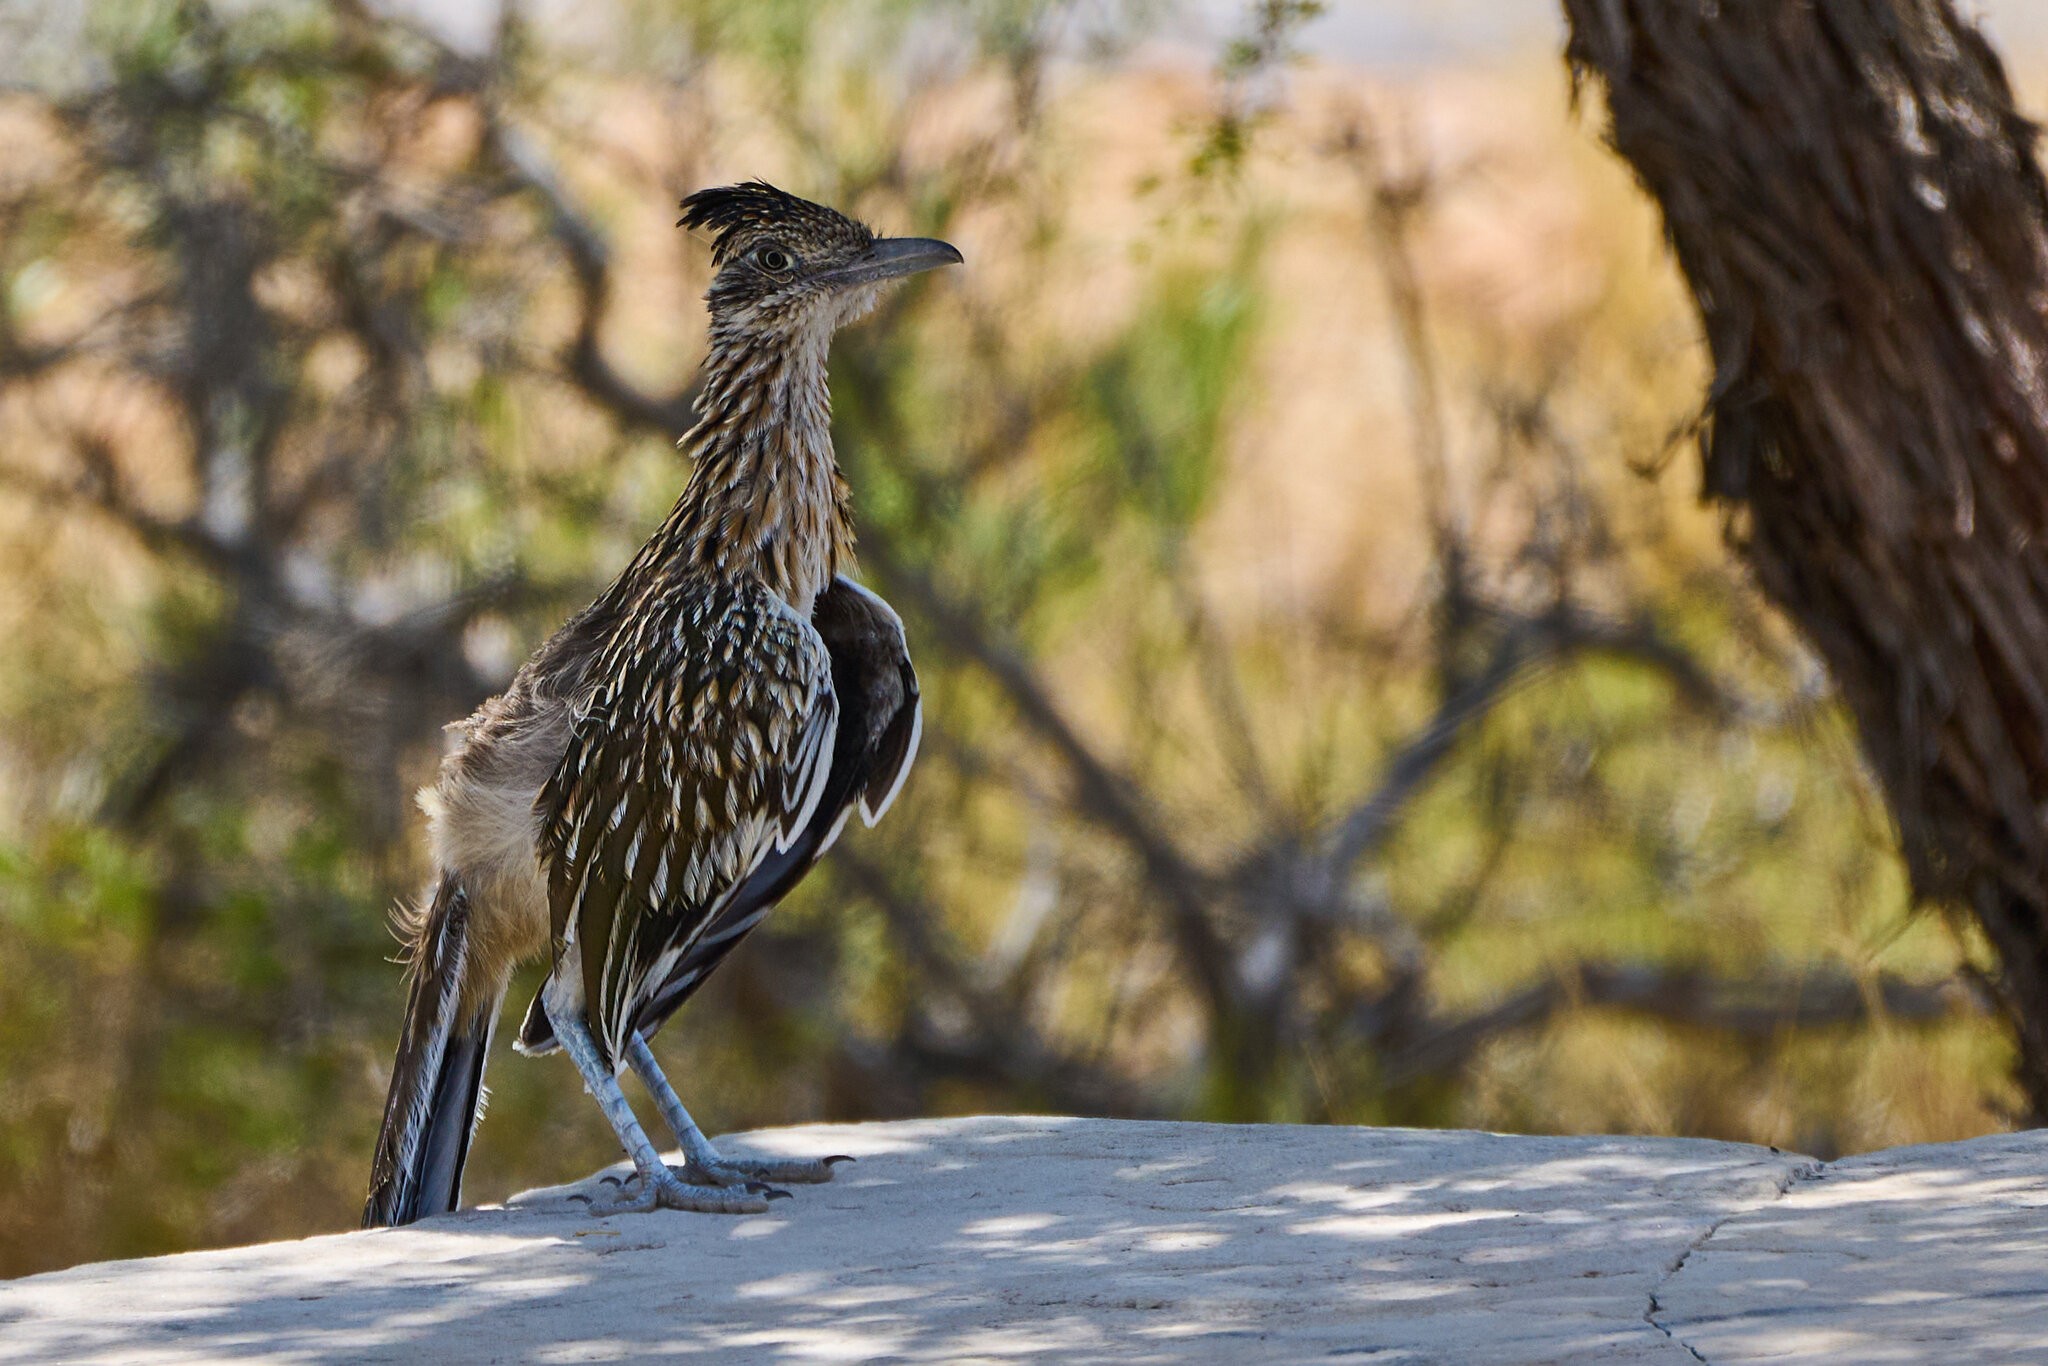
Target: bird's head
(786,265)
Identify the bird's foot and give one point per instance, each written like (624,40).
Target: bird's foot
(664,1188)
(726,1171)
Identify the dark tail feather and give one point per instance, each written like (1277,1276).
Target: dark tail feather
(438,1079)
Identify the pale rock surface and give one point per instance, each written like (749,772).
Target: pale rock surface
(1929,1254)
(1095,1241)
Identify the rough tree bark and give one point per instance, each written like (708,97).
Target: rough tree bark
(1857,207)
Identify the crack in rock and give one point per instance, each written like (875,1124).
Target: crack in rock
(1808,1170)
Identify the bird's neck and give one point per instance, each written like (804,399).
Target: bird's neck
(765,498)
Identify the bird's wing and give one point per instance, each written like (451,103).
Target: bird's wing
(701,746)
(870,656)
(880,716)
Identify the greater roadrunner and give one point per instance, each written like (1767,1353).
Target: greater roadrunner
(673,761)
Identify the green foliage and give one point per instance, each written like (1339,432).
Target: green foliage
(1158,398)
(1255,54)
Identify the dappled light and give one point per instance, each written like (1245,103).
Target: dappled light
(1867,1234)
(1059,1240)
(1032,1239)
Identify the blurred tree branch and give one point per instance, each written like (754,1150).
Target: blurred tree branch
(591,261)
(1754,1006)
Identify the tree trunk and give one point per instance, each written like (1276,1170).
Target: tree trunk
(1857,207)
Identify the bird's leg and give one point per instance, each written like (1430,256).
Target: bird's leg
(705,1161)
(657,1186)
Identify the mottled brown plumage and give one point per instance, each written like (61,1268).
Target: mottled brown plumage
(702,748)
(674,759)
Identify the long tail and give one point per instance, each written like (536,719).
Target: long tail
(437,1082)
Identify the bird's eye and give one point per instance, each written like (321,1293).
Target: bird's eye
(773,259)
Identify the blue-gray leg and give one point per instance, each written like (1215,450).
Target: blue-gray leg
(654,1185)
(705,1162)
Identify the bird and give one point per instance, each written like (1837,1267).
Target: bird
(680,753)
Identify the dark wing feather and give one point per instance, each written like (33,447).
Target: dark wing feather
(701,747)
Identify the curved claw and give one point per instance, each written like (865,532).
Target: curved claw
(663,1190)
(837,1157)
(607,1179)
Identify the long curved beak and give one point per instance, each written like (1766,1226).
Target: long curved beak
(891,258)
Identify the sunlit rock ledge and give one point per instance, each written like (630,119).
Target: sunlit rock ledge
(1082,1241)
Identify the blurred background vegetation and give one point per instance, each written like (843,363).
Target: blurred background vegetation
(1339,708)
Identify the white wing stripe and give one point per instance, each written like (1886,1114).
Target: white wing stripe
(871,814)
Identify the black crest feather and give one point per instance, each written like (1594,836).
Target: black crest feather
(736,214)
